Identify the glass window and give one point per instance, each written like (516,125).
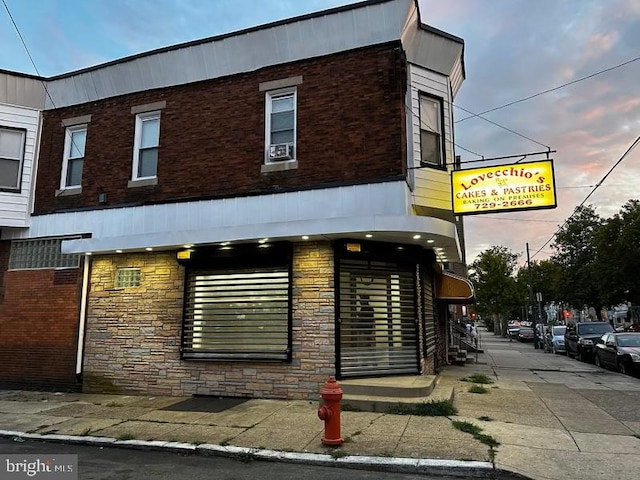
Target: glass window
(40,253)
(239,313)
(280,125)
(11,157)
(431,131)
(147,138)
(73,160)
(127,277)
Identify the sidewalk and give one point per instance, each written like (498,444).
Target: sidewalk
(533,440)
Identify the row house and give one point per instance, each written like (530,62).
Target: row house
(243,215)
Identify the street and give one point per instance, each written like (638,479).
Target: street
(97,463)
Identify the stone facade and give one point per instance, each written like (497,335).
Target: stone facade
(133,334)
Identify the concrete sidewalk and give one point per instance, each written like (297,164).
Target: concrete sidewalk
(542,431)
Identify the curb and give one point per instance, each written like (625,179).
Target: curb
(453,468)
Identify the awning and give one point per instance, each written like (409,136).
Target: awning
(453,289)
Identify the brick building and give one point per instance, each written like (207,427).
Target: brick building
(247,214)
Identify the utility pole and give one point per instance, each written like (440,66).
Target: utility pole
(530,305)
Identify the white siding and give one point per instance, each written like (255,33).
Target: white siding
(432,187)
(14,207)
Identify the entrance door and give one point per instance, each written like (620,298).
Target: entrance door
(377,319)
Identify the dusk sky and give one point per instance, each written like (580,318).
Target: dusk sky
(513,49)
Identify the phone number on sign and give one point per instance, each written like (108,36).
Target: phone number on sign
(505,204)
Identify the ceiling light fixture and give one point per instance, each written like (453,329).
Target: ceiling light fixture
(416,237)
(305,237)
(368,235)
(188,245)
(264,240)
(118,251)
(148,249)
(430,240)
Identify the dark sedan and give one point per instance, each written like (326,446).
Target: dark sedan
(525,334)
(620,351)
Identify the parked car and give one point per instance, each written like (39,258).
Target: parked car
(554,339)
(513,327)
(525,334)
(619,351)
(580,338)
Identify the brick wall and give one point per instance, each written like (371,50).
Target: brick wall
(39,312)
(350,125)
(133,335)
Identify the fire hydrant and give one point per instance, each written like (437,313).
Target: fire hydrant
(329,412)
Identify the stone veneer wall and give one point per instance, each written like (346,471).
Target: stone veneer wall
(133,334)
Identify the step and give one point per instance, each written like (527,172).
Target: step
(382,404)
(409,386)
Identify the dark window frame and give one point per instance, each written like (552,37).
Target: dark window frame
(18,187)
(442,164)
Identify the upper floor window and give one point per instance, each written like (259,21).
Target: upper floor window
(431,148)
(280,125)
(11,157)
(146,142)
(72,163)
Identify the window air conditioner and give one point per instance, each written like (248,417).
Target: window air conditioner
(281,151)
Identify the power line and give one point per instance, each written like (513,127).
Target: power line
(473,115)
(479,115)
(597,185)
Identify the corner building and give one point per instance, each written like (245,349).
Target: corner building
(253,212)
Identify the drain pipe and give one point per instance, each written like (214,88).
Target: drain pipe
(83,315)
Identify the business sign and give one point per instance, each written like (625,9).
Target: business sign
(504,188)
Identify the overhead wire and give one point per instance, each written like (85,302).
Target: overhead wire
(549,90)
(597,185)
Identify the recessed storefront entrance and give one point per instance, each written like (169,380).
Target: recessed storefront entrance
(377,321)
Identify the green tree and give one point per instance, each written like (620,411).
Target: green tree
(617,261)
(576,253)
(496,289)
(545,277)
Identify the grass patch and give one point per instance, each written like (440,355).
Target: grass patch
(434,408)
(338,453)
(484,418)
(467,427)
(126,436)
(477,389)
(477,378)
(487,440)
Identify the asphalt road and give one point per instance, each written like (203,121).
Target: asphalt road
(98,463)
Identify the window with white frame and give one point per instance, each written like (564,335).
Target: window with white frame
(431,148)
(146,142)
(73,160)
(280,125)
(11,157)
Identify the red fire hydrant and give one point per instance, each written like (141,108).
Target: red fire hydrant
(329,412)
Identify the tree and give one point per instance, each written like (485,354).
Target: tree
(617,261)
(496,290)
(576,253)
(545,277)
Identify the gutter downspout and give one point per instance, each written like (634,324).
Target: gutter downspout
(83,314)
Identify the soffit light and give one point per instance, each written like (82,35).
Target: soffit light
(305,237)
(188,245)
(224,244)
(148,249)
(430,240)
(368,235)
(416,237)
(118,251)
(263,241)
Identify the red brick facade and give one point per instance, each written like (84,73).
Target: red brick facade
(350,129)
(39,312)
